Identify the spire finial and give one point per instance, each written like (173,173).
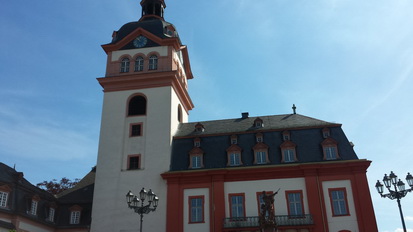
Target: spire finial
(294,108)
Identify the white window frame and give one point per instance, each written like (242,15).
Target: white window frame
(51,214)
(33,207)
(75,217)
(261,157)
(197,208)
(234,159)
(153,62)
(196,161)
(331,152)
(289,155)
(3,199)
(139,64)
(124,65)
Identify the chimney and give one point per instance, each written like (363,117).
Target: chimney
(244,115)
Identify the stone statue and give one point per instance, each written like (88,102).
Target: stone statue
(267,215)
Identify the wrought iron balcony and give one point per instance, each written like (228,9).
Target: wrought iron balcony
(282,220)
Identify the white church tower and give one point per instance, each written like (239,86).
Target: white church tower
(145,99)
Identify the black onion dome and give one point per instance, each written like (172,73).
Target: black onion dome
(153,25)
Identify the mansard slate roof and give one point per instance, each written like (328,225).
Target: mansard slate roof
(23,191)
(153,25)
(305,133)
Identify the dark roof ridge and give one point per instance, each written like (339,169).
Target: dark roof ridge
(246,125)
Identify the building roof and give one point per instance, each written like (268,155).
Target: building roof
(153,25)
(306,134)
(246,124)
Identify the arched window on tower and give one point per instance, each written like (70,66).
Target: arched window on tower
(137,106)
(153,62)
(124,65)
(139,64)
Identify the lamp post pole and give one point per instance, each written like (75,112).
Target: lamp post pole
(133,203)
(399,191)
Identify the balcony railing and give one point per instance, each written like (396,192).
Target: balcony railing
(282,220)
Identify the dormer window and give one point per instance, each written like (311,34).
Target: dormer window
(259,138)
(153,62)
(234,139)
(124,65)
(330,151)
(326,132)
(258,122)
(197,142)
(234,155)
(75,214)
(50,214)
(286,135)
(4,195)
(288,152)
(196,157)
(199,127)
(34,201)
(260,153)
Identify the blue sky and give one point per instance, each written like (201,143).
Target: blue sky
(343,61)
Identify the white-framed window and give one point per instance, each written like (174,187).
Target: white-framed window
(237,205)
(330,152)
(75,217)
(196,211)
(139,64)
(153,62)
(289,155)
(124,65)
(51,215)
(338,200)
(261,157)
(33,207)
(3,199)
(234,159)
(295,203)
(196,161)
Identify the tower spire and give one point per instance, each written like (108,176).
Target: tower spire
(153,7)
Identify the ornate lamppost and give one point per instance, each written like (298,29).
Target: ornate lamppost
(399,191)
(141,209)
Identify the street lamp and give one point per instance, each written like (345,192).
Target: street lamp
(399,191)
(141,209)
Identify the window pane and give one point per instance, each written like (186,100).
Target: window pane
(136,130)
(338,202)
(134,162)
(124,65)
(330,153)
(33,209)
(294,204)
(196,161)
(3,199)
(139,64)
(153,62)
(196,209)
(289,155)
(261,157)
(237,206)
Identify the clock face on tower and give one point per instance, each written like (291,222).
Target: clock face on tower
(140,41)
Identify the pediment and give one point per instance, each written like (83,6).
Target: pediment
(153,40)
(329,141)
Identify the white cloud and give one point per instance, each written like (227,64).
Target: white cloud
(401,230)
(408,218)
